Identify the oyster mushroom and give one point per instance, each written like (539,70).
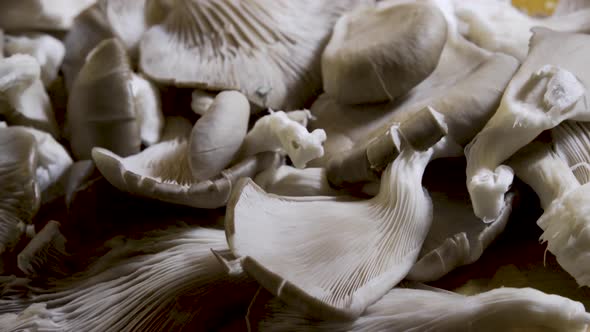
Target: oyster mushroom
(45,252)
(20,194)
(571,142)
(121,19)
(379,53)
(423,308)
(40,14)
(111,107)
(167,281)
(331,257)
(570,6)
(466,87)
(267,49)
(48,51)
(201,101)
(548,88)
(280,131)
(291,181)
(23,99)
(500,27)
(218,134)
(162,172)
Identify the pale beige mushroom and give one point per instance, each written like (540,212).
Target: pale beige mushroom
(40,14)
(267,49)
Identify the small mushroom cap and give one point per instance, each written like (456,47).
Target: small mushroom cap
(379,54)
(101,108)
(218,135)
(267,49)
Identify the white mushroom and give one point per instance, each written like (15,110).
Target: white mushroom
(379,53)
(500,27)
(40,14)
(201,101)
(333,256)
(291,181)
(48,51)
(101,107)
(267,49)
(549,87)
(23,99)
(148,109)
(121,19)
(162,172)
(423,308)
(19,195)
(218,134)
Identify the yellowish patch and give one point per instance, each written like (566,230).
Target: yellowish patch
(536,7)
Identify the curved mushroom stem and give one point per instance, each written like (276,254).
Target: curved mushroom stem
(367,163)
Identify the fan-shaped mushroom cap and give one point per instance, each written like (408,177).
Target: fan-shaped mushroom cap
(218,134)
(48,51)
(40,14)
(122,19)
(379,53)
(101,107)
(23,99)
(19,192)
(267,49)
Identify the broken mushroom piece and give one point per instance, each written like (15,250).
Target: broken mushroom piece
(218,135)
(424,308)
(23,99)
(500,27)
(162,171)
(40,14)
(44,252)
(20,196)
(331,257)
(101,107)
(380,53)
(566,218)
(121,19)
(278,131)
(550,87)
(48,51)
(267,49)
(201,101)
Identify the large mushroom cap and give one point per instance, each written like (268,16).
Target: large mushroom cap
(101,108)
(267,49)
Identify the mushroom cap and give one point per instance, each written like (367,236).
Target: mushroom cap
(379,54)
(267,49)
(40,14)
(101,107)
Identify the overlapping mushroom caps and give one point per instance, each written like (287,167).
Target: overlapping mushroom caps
(466,87)
(423,308)
(121,19)
(346,253)
(111,107)
(23,99)
(267,49)
(20,194)
(379,53)
(163,171)
(40,14)
(550,87)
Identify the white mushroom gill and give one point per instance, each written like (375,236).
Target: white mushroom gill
(422,308)
(19,193)
(141,286)
(291,181)
(571,142)
(267,49)
(162,171)
(566,217)
(550,87)
(333,256)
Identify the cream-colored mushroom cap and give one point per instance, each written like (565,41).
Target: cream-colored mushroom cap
(379,54)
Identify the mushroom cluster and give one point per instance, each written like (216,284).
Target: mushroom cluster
(283,165)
